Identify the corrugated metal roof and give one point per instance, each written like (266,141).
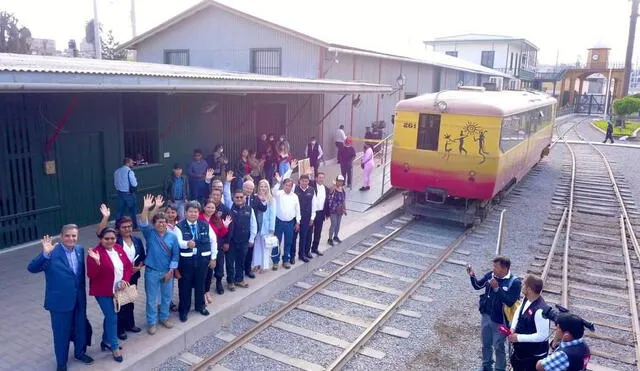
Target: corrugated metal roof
(158,76)
(330,37)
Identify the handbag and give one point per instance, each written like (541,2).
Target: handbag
(124,297)
(271,241)
(176,273)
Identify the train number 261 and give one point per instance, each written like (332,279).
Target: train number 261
(409,125)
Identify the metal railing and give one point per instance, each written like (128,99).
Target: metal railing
(381,157)
(500,240)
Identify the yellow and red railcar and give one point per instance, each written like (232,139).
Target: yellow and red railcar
(456,151)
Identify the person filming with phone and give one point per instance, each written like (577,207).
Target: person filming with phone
(501,289)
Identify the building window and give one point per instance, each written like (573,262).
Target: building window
(511,62)
(452,53)
(487,58)
(178,57)
(428,132)
(140,121)
(266,61)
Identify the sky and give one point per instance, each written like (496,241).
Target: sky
(562,29)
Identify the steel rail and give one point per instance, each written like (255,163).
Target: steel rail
(384,316)
(556,238)
(565,256)
(275,316)
(625,222)
(631,289)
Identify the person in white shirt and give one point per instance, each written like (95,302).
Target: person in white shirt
(287,219)
(322,211)
(198,251)
(340,138)
(529,330)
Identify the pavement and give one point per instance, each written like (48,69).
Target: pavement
(26,337)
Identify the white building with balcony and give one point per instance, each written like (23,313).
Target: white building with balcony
(516,57)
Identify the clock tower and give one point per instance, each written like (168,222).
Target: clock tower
(598,58)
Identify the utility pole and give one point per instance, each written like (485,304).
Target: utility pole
(632,36)
(97,44)
(133,18)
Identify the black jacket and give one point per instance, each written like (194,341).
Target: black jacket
(168,187)
(492,302)
(137,242)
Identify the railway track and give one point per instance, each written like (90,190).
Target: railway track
(594,256)
(420,246)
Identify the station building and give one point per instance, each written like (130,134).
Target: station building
(214,35)
(67,123)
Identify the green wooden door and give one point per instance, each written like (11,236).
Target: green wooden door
(82,177)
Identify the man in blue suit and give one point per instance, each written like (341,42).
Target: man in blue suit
(65,296)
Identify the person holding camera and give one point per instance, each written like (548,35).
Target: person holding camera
(501,288)
(571,353)
(529,329)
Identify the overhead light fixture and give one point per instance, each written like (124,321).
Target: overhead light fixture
(401,80)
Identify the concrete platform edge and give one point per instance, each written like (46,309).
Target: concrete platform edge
(176,344)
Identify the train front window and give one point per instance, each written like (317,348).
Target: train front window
(428,132)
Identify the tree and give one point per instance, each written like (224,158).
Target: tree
(626,106)
(13,38)
(110,48)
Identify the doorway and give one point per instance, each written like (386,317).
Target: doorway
(82,176)
(271,118)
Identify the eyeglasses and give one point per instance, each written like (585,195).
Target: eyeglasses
(238,197)
(126,226)
(108,238)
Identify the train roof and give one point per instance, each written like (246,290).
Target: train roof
(477,102)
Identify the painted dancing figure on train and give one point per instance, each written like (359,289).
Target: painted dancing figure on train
(461,140)
(447,148)
(480,141)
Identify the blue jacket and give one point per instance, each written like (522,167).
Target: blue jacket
(492,302)
(62,285)
(268,219)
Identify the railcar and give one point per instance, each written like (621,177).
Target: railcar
(456,152)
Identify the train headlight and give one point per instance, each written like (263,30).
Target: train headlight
(442,106)
(406,167)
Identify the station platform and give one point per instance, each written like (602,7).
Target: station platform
(26,340)
(361,201)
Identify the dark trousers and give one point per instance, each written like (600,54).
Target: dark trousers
(193,276)
(235,261)
(65,326)
(248,258)
(304,236)
(609,136)
(126,320)
(218,271)
(347,173)
(315,166)
(524,364)
(318,222)
(198,189)
(127,205)
(284,231)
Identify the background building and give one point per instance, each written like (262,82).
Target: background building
(516,57)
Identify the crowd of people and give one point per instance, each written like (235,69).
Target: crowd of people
(212,221)
(524,324)
(203,227)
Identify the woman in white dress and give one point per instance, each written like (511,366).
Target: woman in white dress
(261,253)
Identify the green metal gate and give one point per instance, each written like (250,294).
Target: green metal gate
(18,215)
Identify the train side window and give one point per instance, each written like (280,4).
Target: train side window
(513,132)
(428,132)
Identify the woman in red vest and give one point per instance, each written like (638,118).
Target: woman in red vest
(109,270)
